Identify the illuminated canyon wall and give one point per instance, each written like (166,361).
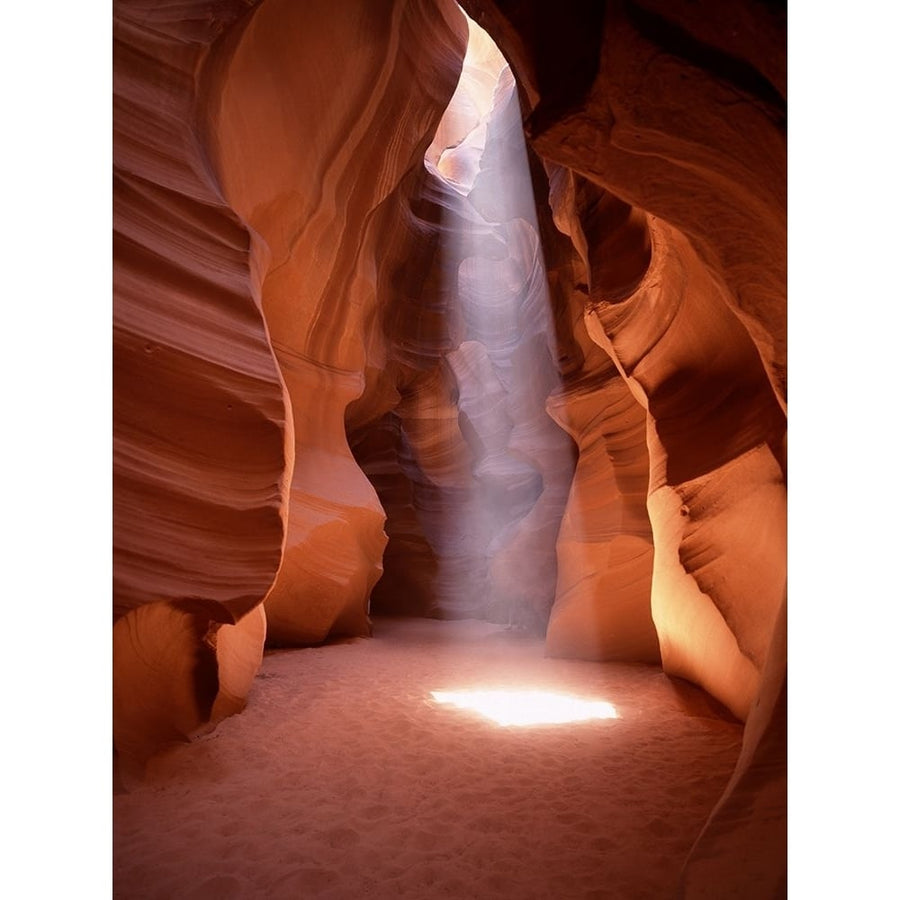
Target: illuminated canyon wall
(669,123)
(357,366)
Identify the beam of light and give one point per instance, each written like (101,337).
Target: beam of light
(528,707)
(496,549)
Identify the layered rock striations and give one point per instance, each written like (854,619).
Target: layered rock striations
(605,547)
(245,280)
(199,430)
(672,127)
(354,359)
(716,496)
(316,121)
(679,110)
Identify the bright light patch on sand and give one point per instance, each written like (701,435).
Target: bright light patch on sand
(528,707)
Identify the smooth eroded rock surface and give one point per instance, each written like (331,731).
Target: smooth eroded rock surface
(678,112)
(308,146)
(199,431)
(377,347)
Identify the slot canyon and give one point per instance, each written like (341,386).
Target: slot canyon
(449,354)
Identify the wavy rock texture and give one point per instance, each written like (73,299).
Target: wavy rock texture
(176,674)
(199,423)
(308,147)
(716,496)
(289,273)
(679,110)
(673,117)
(605,547)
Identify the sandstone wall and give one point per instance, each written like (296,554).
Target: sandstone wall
(605,548)
(288,272)
(252,147)
(671,119)
(316,120)
(199,431)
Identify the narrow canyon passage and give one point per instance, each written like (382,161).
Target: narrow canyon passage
(475,314)
(344,778)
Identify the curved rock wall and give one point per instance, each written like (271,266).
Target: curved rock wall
(679,110)
(605,546)
(308,147)
(674,120)
(199,431)
(245,182)
(287,272)
(741,851)
(404,429)
(716,496)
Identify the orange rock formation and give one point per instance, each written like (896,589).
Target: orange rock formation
(311,415)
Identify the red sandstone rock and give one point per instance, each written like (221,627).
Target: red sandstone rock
(176,673)
(716,495)
(286,275)
(740,852)
(679,112)
(605,547)
(305,167)
(199,422)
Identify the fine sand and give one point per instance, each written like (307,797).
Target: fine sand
(343,778)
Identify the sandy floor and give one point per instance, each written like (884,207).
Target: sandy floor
(343,778)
